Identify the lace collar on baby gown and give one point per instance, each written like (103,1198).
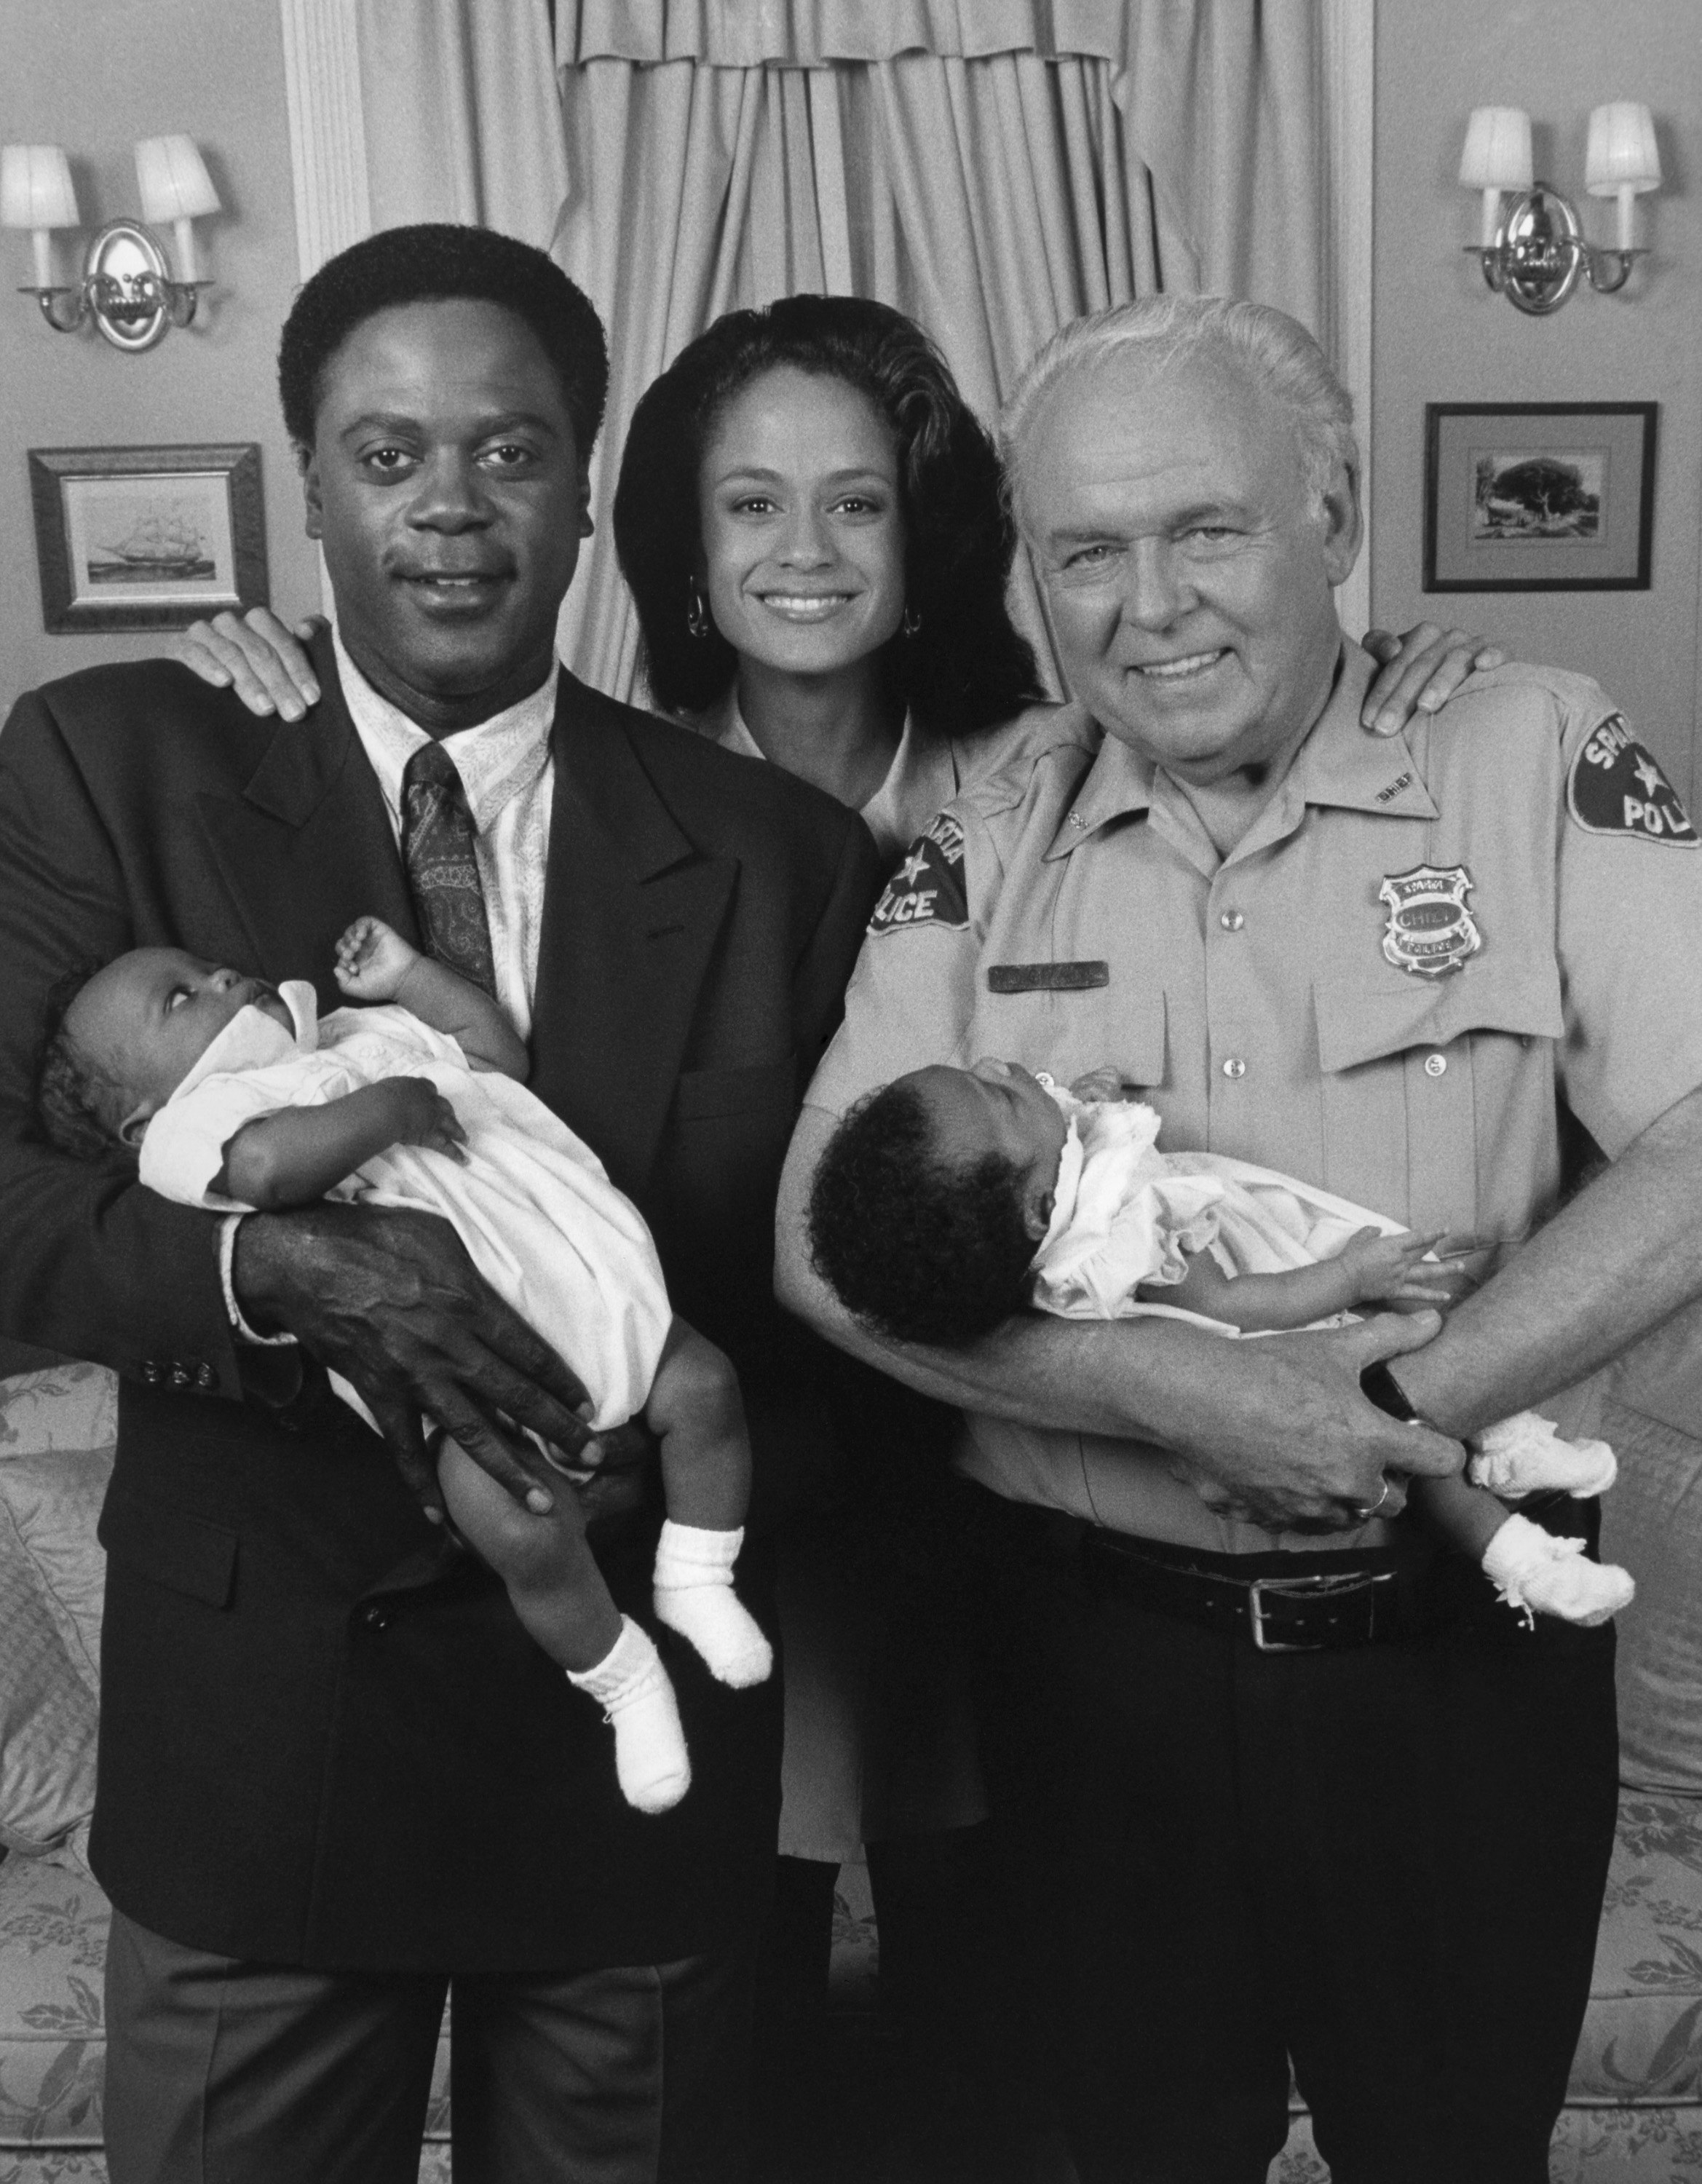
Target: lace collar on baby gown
(254,1040)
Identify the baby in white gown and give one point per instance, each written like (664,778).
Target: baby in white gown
(951,1198)
(236,1096)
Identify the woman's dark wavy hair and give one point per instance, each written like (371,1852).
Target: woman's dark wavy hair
(966,667)
(434,262)
(917,1248)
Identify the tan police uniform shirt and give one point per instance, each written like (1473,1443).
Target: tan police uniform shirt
(1416,947)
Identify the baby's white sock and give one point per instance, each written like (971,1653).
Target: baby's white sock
(694,1595)
(1532,1569)
(1525,1454)
(637,1700)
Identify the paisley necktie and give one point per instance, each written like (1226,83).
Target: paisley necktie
(438,837)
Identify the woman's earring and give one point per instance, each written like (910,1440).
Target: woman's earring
(912,622)
(697,610)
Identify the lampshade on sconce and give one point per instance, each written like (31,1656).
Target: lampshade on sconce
(1622,160)
(126,286)
(1497,157)
(1537,254)
(35,193)
(176,185)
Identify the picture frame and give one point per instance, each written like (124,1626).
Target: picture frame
(1538,496)
(146,537)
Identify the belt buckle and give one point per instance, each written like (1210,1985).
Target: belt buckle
(1317,1586)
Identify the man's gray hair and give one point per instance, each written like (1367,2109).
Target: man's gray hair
(1270,349)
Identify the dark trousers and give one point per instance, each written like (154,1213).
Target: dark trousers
(220,2072)
(1385,1862)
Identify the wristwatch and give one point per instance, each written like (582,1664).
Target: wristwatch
(1379,1385)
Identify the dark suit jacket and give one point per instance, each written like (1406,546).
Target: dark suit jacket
(326,1741)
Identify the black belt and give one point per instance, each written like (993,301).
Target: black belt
(1371,1602)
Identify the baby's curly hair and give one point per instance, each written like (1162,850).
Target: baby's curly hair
(74,1100)
(917,1248)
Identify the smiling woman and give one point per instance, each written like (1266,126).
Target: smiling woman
(803,541)
(810,517)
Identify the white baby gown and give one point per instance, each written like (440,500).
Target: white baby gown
(538,1215)
(1125,1213)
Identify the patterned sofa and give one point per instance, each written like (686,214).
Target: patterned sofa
(1634,2112)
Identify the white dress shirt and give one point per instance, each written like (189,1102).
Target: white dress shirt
(509,774)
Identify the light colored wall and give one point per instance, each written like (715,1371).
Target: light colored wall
(1439,336)
(94,75)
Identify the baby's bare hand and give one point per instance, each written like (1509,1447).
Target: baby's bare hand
(425,1118)
(1391,1269)
(1103,1084)
(372,960)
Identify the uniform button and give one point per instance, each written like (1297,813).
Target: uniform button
(377,1618)
(1435,1064)
(1234,1066)
(1231,921)
(205,1377)
(150,1372)
(180,1376)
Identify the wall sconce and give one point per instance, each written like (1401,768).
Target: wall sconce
(126,286)
(1536,256)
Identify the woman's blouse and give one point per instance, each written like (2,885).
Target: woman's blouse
(925,773)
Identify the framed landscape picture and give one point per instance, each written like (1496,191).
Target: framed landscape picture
(146,537)
(1538,496)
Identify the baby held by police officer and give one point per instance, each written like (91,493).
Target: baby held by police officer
(233,1095)
(951,1198)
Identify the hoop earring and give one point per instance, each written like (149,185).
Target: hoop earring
(697,610)
(912,623)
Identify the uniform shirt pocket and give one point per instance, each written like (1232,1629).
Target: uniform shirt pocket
(1069,1031)
(1438,1104)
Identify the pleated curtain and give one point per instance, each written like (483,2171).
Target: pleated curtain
(992,167)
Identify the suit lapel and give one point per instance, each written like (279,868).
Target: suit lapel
(308,846)
(632,911)
(632,908)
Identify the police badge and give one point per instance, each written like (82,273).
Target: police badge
(1430,931)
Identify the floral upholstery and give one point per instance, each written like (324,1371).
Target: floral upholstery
(52,2043)
(56,1430)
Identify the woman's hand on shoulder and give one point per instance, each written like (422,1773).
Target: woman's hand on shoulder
(257,656)
(1421,670)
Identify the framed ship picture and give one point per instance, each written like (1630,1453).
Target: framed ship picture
(146,537)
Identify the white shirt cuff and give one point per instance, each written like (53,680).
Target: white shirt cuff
(227,1255)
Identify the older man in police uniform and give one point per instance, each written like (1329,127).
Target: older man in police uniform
(1274,1795)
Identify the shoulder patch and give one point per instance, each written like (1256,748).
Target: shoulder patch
(927,888)
(1616,788)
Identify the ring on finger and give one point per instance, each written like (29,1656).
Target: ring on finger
(1368,1510)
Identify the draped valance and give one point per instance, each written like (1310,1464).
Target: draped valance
(816,33)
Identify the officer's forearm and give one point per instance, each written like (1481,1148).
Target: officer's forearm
(1624,1256)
